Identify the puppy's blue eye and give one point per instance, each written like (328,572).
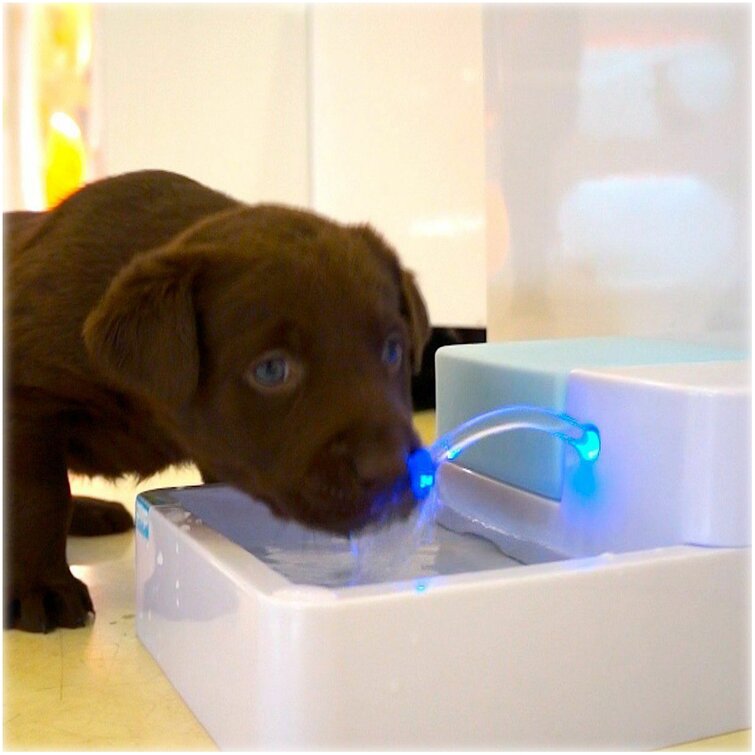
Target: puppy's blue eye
(271,372)
(392,351)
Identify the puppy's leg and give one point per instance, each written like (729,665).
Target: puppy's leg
(93,516)
(40,591)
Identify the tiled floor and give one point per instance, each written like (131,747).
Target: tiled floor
(97,688)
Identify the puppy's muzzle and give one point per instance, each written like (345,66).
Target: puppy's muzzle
(360,477)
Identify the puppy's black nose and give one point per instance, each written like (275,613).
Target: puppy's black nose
(380,467)
(376,454)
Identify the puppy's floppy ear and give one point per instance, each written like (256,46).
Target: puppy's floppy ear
(142,334)
(415,312)
(412,304)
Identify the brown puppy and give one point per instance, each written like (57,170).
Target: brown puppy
(153,321)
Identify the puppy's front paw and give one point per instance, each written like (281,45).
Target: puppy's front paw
(93,516)
(62,602)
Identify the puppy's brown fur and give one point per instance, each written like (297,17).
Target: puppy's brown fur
(146,317)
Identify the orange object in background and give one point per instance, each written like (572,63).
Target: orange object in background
(65,158)
(47,102)
(63,62)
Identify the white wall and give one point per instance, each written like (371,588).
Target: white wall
(398,139)
(618,166)
(217,92)
(364,113)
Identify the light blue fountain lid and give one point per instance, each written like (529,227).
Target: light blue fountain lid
(476,378)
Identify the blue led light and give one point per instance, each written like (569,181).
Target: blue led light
(421,469)
(420,587)
(588,446)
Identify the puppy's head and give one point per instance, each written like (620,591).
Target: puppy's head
(276,347)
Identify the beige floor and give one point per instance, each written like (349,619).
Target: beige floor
(97,688)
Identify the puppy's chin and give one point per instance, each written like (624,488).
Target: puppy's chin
(332,496)
(340,509)
(346,512)
(392,505)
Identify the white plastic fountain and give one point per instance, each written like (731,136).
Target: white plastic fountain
(603,604)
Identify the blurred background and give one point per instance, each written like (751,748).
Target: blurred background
(547,170)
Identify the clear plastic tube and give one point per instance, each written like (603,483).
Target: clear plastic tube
(423,463)
(380,550)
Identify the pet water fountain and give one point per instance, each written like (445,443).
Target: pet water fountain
(577,574)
